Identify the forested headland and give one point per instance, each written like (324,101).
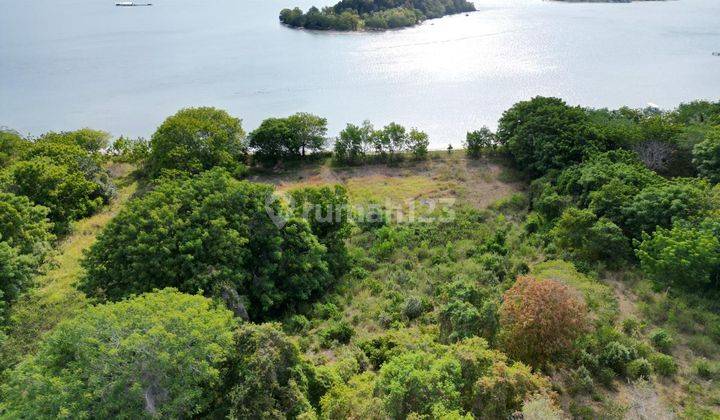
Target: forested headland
(356,15)
(565,265)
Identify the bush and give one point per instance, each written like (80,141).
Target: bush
(159,354)
(631,326)
(707,369)
(540,319)
(209,233)
(339,331)
(541,408)
(703,345)
(662,340)
(266,377)
(197,139)
(663,364)
(639,368)
(582,380)
(616,356)
(545,133)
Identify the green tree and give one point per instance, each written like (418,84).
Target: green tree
(478,141)
(88,139)
(156,355)
(271,141)
(12,145)
(210,233)
(327,211)
(24,225)
(683,257)
(706,157)
(392,140)
(586,237)
(417,144)
(66,193)
(267,376)
(197,139)
(659,205)
(545,133)
(309,133)
(351,144)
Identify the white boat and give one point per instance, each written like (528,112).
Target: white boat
(131,3)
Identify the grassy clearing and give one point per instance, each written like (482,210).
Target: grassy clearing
(55,298)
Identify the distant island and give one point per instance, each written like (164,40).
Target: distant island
(358,15)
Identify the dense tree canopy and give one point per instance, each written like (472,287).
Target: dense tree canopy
(545,133)
(290,138)
(356,144)
(352,15)
(706,157)
(267,377)
(209,233)
(157,355)
(197,139)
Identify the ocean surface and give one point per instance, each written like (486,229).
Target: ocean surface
(66,64)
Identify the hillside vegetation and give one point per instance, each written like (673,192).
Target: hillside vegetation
(565,266)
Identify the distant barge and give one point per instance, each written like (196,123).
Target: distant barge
(131,4)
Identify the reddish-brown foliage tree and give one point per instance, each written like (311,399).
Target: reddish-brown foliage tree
(540,319)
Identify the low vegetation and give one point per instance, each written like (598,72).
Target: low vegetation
(567,265)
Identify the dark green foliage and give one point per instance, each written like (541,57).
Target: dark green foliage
(197,139)
(545,133)
(25,241)
(354,143)
(616,356)
(286,139)
(351,15)
(157,355)
(209,233)
(662,340)
(327,211)
(585,237)
(706,157)
(479,141)
(267,377)
(336,331)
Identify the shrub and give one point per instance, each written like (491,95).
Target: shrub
(458,320)
(197,139)
(209,233)
(582,380)
(662,340)
(339,331)
(639,368)
(24,225)
(413,307)
(707,369)
(541,408)
(266,377)
(663,364)
(12,146)
(631,326)
(540,319)
(545,133)
(159,354)
(703,345)
(616,357)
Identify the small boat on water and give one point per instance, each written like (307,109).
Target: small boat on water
(131,4)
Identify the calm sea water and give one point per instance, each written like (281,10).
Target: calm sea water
(66,64)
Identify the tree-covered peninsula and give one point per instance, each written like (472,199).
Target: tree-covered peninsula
(356,15)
